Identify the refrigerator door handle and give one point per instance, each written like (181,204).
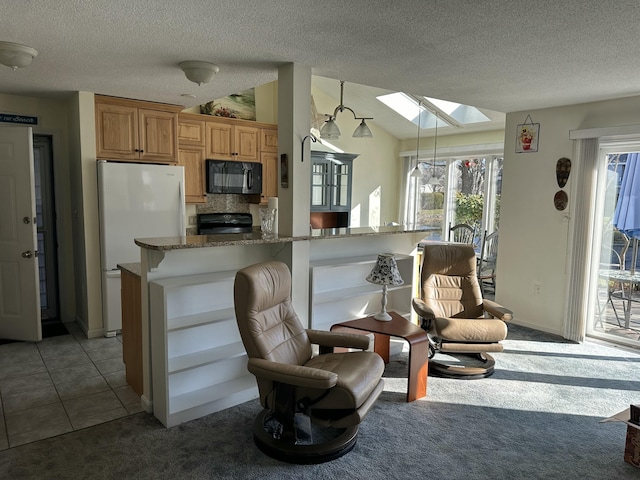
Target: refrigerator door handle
(181,209)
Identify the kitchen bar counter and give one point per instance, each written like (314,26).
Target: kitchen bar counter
(256,237)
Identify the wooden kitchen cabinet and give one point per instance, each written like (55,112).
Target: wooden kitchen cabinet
(132,325)
(135,130)
(193,159)
(228,141)
(191,131)
(269,140)
(269,162)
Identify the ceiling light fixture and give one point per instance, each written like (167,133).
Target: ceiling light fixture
(330,130)
(199,72)
(15,55)
(416,173)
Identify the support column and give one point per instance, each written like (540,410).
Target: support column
(294,110)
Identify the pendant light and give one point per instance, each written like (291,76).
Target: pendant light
(330,130)
(433,180)
(416,173)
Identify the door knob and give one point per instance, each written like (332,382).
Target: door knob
(29,254)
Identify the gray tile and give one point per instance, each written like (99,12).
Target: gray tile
(116,379)
(4,441)
(28,423)
(79,372)
(66,361)
(18,352)
(94,409)
(82,387)
(110,365)
(57,341)
(134,408)
(23,400)
(127,396)
(9,370)
(40,434)
(98,342)
(61,350)
(109,351)
(25,383)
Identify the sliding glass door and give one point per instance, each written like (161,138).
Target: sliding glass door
(616,309)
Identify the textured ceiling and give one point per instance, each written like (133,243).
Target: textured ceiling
(495,54)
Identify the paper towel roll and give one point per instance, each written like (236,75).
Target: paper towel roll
(273,204)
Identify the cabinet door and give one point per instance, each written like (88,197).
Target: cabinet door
(219,141)
(190,132)
(158,133)
(320,181)
(341,187)
(269,140)
(246,143)
(192,158)
(117,131)
(269,162)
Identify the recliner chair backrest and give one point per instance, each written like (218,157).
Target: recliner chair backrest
(268,324)
(449,283)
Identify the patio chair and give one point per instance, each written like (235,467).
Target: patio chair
(462,233)
(487,261)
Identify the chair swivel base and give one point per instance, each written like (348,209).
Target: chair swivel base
(438,369)
(298,452)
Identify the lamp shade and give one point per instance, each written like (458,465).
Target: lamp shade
(362,131)
(385,271)
(330,130)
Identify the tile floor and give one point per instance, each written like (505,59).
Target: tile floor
(61,384)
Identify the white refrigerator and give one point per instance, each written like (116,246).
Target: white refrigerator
(134,201)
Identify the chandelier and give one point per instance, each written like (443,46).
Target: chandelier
(330,130)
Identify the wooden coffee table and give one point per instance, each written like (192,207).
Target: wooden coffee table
(398,326)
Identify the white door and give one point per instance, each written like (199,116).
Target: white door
(19,288)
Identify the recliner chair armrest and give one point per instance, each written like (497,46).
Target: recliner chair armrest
(297,375)
(339,339)
(422,309)
(497,310)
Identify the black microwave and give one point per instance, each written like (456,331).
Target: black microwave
(226,176)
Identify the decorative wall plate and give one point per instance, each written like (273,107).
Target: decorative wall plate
(560,200)
(563,170)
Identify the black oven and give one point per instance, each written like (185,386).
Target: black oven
(225,176)
(217,223)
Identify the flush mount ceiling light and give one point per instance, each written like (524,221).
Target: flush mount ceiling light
(199,72)
(15,55)
(330,130)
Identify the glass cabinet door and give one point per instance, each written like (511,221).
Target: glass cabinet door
(340,185)
(320,185)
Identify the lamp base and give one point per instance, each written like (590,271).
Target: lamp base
(382,316)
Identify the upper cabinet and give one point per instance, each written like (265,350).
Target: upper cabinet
(136,130)
(229,141)
(204,136)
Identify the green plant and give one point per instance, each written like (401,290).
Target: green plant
(469,209)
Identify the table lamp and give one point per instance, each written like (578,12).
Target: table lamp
(385,273)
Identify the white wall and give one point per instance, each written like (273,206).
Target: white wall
(534,236)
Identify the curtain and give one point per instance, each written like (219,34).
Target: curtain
(580,248)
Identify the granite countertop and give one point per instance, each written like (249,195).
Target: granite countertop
(134,268)
(256,238)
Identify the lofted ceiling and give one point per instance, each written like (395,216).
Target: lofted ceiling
(498,55)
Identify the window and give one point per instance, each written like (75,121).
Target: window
(454,190)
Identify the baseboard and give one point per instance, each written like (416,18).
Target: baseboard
(147,405)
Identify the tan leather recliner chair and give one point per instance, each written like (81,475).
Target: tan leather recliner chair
(455,316)
(332,391)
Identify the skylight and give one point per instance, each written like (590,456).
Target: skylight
(464,114)
(409,107)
